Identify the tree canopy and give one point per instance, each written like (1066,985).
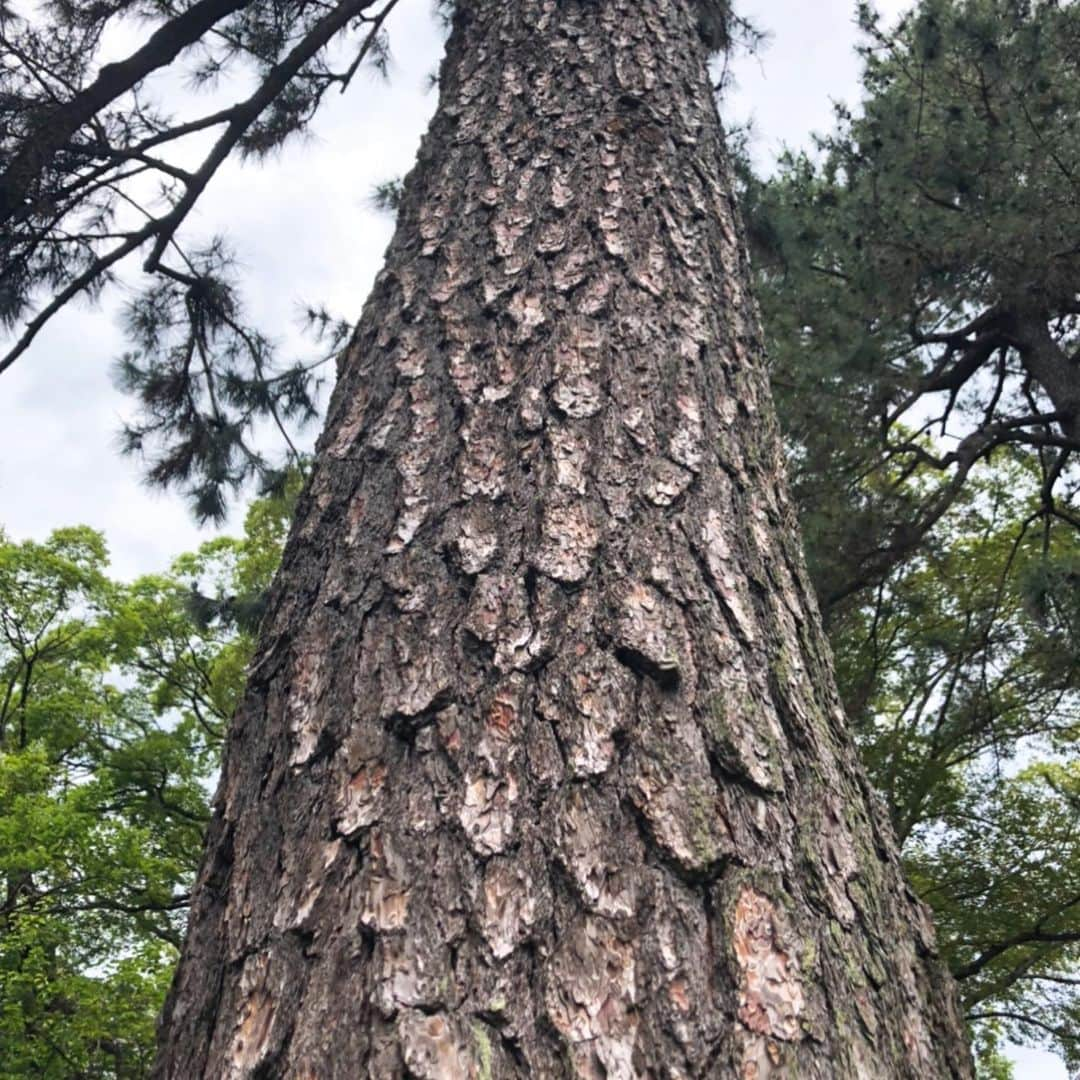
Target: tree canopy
(113,702)
(960,675)
(918,275)
(926,258)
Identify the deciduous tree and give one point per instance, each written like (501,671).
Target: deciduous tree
(113,701)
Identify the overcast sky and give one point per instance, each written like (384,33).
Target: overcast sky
(304,230)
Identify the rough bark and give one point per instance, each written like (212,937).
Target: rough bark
(541,770)
(1051,367)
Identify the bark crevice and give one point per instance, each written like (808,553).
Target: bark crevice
(542,771)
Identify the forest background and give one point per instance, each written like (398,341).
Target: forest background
(305,230)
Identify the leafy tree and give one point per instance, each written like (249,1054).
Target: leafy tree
(920,296)
(113,700)
(920,275)
(101,815)
(965,697)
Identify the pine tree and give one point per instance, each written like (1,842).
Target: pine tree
(920,280)
(541,770)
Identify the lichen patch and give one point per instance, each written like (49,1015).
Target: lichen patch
(771,998)
(568,543)
(683,815)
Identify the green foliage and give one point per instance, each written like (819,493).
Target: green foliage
(94,172)
(203,379)
(919,284)
(113,703)
(921,280)
(966,703)
(1006,887)
(386,197)
(968,142)
(100,816)
(990,1061)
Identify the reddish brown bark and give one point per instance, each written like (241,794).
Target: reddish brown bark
(541,770)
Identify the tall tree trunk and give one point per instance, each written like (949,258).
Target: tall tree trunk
(541,771)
